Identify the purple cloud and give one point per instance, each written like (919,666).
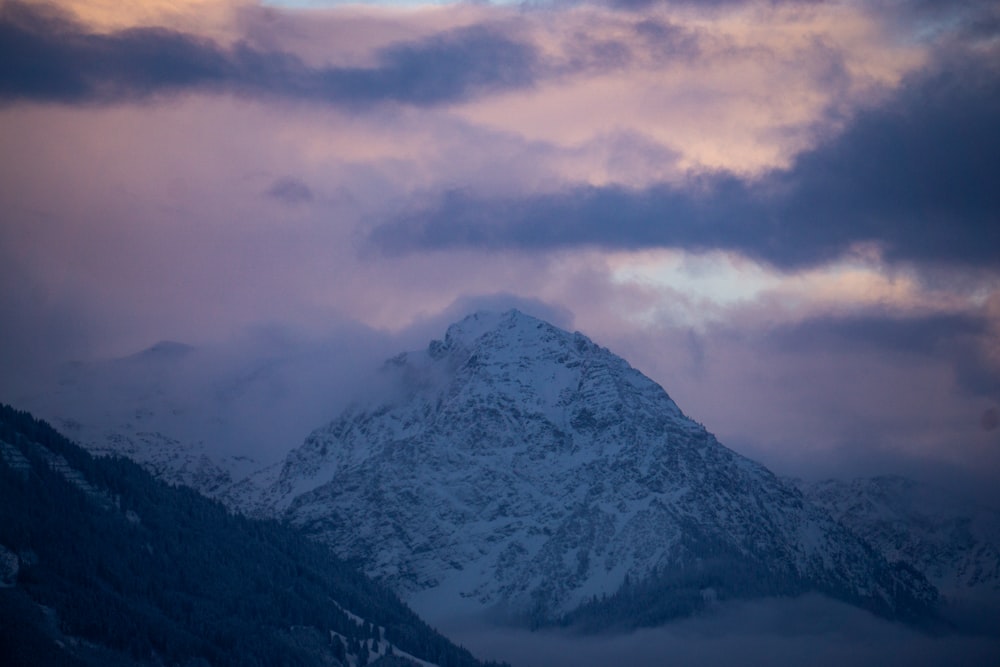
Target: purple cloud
(916,175)
(45,56)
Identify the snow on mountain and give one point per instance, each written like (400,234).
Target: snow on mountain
(518,468)
(953,541)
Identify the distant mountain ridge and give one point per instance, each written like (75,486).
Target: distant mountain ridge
(953,541)
(213,417)
(523,470)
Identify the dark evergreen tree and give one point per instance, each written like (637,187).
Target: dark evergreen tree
(146,572)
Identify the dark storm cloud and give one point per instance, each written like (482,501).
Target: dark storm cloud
(959,340)
(608,216)
(440,69)
(909,335)
(917,176)
(47,57)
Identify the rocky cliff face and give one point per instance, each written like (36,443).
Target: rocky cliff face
(516,467)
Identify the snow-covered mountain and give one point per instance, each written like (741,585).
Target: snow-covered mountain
(517,468)
(955,542)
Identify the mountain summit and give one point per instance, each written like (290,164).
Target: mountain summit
(520,469)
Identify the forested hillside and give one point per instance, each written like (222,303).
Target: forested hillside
(102,564)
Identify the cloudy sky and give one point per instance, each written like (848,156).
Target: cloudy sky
(785,212)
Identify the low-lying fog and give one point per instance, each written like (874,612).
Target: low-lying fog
(810,630)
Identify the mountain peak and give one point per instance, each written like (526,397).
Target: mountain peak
(473,327)
(526,470)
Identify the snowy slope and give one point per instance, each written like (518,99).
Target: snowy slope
(953,541)
(519,468)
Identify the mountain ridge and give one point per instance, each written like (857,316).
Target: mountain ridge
(526,470)
(518,470)
(954,541)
